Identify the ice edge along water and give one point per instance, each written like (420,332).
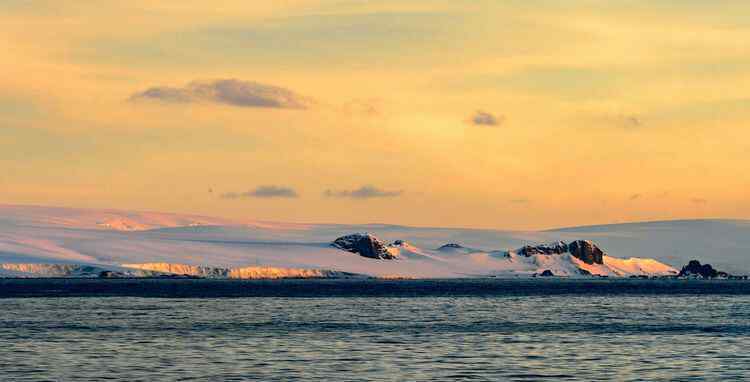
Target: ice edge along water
(51,241)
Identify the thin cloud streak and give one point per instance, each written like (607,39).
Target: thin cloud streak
(483,118)
(520,201)
(263,192)
(231,92)
(364,192)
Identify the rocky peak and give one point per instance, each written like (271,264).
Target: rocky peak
(365,245)
(694,268)
(544,249)
(586,251)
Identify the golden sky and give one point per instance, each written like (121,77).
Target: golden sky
(495,114)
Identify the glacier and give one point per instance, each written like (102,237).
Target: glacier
(40,241)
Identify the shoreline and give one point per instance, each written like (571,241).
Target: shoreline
(325,288)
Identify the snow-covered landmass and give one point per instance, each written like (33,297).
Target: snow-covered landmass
(240,273)
(162,270)
(68,270)
(126,242)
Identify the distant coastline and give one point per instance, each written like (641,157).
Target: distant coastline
(38,241)
(315,288)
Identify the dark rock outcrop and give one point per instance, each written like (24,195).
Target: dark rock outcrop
(586,251)
(544,249)
(110,275)
(365,245)
(694,268)
(546,273)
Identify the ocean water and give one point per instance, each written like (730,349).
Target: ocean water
(523,330)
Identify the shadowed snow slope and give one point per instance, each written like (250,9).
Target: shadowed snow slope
(51,235)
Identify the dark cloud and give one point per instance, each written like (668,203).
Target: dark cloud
(483,118)
(263,192)
(164,93)
(227,91)
(364,192)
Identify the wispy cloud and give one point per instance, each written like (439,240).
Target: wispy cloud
(630,121)
(699,200)
(363,107)
(634,197)
(263,192)
(227,91)
(520,201)
(364,192)
(483,118)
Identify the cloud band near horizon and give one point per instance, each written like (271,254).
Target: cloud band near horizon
(364,192)
(263,192)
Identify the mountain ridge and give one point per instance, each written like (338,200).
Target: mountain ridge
(65,235)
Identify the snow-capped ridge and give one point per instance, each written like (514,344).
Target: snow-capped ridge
(584,250)
(584,257)
(50,235)
(119,220)
(636,266)
(365,245)
(457,248)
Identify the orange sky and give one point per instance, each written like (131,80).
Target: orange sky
(495,114)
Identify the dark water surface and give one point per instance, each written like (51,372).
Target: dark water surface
(525,330)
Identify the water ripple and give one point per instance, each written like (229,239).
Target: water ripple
(534,338)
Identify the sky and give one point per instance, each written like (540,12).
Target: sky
(523,114)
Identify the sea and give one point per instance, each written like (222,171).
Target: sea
(374,330)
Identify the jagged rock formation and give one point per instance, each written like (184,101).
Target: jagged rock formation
(365,245)
(584,250)
(543,249)
(694,268)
